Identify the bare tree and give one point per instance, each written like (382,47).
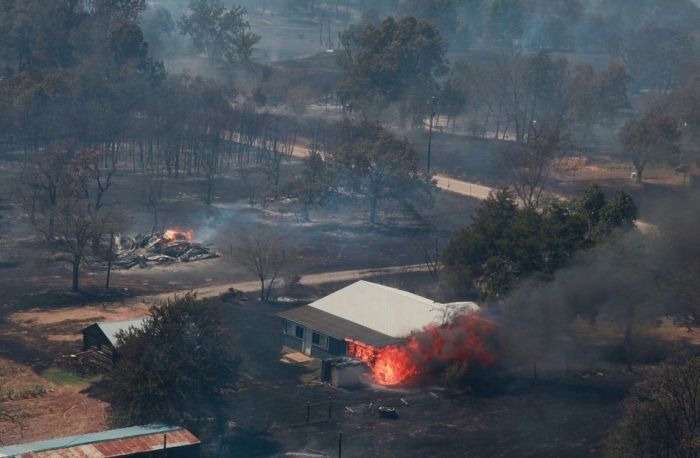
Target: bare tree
(266,254)
(251,178)
(95,180)
(76,226)
(530,165)
(211,176)
(46,178)
(113,223)
(431,251)
(153,190)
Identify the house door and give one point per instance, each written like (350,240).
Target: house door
(306,342)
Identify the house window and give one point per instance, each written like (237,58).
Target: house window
(293,329)
(320,340)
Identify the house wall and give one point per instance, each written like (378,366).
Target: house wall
(291,342)
(336,347)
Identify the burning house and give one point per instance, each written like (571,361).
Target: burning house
(396,333)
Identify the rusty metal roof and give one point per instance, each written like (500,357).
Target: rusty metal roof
(112,443)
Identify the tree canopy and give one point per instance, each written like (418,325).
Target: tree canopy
(394,62)
(223,33)
(506,244)
(178,367)
(650,138)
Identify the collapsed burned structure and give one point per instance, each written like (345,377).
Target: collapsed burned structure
(161,248)
(395,332)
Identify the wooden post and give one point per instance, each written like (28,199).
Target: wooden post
(330,407)
(340,444)
(534,369)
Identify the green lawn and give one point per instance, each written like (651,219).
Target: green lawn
(62,377)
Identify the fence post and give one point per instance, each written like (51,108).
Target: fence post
(330,407)
(340,444)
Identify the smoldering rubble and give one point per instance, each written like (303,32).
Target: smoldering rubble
(159,248)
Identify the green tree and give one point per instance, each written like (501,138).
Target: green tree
(472,254)
(506,244)
(222,33)
(619,213)
(177,367)
(453,101)
(380,167)
(650,138)
(394,62)
(316,185)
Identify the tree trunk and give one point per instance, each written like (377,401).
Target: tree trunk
(639,166)
(110,255)
(372,209)
(76,273)
(628,345)
(109,273)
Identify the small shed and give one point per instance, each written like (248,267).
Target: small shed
(148,441)
(102,336)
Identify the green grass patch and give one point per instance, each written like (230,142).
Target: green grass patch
(63,377)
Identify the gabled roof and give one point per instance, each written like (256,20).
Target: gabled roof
(112,328)
(112,443)
(386,310)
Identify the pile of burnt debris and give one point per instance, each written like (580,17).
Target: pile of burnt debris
(159,248)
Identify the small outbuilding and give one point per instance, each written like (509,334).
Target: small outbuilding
(102,336)
(149,441)
(365,312)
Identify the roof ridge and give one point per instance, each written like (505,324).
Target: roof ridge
(122,321)
(398,291)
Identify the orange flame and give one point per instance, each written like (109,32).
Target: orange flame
(462,341)
(177,234)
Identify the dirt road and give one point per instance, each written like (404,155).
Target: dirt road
(444,182)
(138,306)
(475,190)
(310,279)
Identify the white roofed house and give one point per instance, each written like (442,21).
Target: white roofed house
(363,312)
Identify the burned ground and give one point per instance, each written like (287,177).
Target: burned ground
(557,415)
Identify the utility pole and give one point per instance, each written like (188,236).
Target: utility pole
(433,102)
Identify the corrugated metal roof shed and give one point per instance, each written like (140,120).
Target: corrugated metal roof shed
(112,443)
(112,328)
